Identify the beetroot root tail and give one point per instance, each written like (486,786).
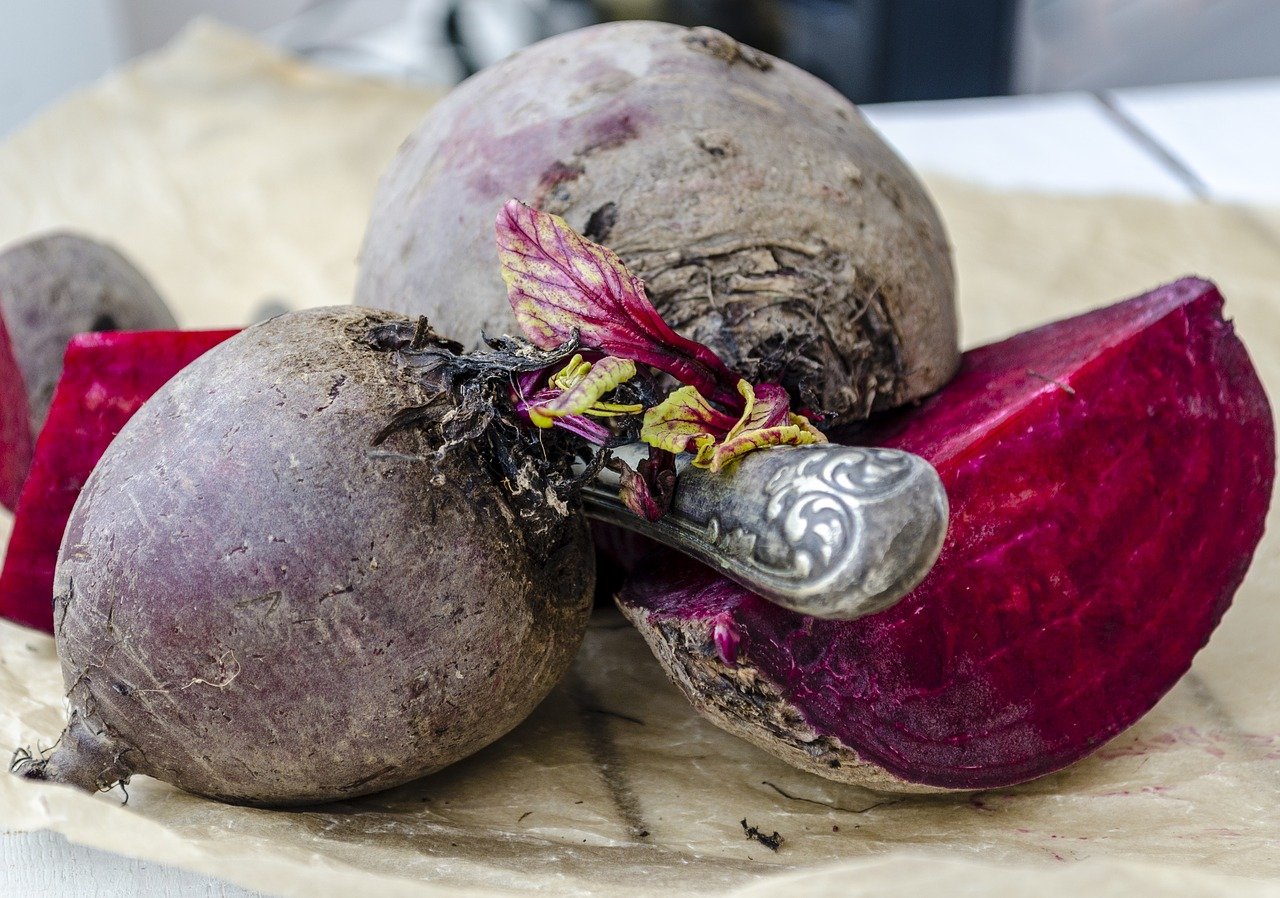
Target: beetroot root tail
(84,757)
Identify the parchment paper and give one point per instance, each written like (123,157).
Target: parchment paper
(235,176)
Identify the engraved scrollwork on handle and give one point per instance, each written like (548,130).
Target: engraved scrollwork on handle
(814,510)
(834,531)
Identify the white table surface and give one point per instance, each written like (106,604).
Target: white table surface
(1191,142)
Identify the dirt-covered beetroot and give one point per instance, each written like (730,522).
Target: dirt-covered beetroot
(105,379)
(768,220)
(50,288)
(1108,478)
(256,604)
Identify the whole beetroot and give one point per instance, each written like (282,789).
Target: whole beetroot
(52,287)
(255,605)
(768,220)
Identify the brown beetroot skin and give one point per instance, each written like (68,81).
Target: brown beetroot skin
(768,220)
(51,287)
(1108,478)
(255,605)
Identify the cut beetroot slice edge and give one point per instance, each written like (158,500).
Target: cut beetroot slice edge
(1108,475)
(106,377)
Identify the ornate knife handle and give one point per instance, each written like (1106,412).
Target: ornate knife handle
(831,531)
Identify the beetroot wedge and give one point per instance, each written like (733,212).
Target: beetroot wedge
(105,379)
(1108,478)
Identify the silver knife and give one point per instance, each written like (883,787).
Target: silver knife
(830,531)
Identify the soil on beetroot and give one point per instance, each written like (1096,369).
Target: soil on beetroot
(1108,478)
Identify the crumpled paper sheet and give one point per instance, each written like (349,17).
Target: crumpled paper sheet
(234,175)
(230,174)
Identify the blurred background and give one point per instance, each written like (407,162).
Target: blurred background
(872,50)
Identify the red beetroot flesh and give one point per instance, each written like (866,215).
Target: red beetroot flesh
(1108,478)
(105,379)
(16,438)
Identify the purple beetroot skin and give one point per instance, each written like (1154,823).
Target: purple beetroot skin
(1108,477)
(105,379)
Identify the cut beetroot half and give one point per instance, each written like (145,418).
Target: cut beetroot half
(105,379)
(1108,478)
